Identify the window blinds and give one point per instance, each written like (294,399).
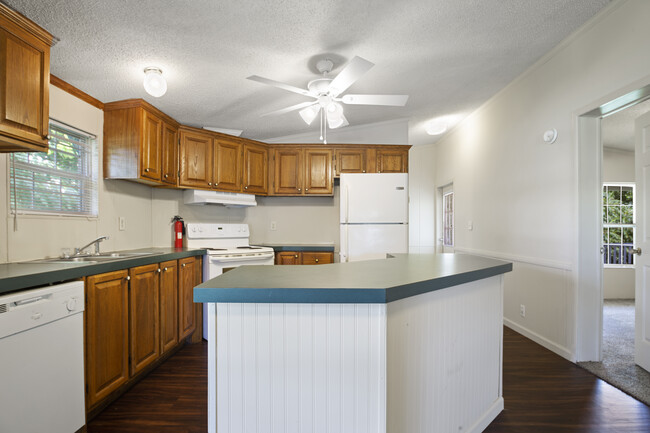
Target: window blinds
(62,181)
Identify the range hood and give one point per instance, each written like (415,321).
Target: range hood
(228,199)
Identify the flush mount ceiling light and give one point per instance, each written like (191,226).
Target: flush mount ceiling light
(154,83)
(327,94)
(436,127)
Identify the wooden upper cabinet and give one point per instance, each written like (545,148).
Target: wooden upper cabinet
(144,321)
(169,154)
(350,161)
(107,330)
(318,172)
(24,83)
(195,159)
(288,171)
(136,141)
(150,146)
(256,168)
(227,166)
(393,160)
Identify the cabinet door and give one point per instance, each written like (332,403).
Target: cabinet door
(287,177)
(144,331)
(150,161)
(287,258)
(318,172)
(186,311)
(317,257)
(256,169)
(168,305)
(195,160)
(169,154)
(24,89)
(107,334)
(350,161)
(227,165)
(392,161)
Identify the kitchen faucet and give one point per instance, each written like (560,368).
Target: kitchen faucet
(78,251)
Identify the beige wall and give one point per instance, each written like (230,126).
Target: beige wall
(618,166)
(521,193)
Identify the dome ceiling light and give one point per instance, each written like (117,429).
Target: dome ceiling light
(154,82)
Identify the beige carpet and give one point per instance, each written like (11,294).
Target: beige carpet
(618,367)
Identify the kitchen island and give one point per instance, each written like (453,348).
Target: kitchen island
(405,344)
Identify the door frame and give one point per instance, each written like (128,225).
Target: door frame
(589,284)
(438,216)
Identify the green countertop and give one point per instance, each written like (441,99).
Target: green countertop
(23,275)
(372,281)
(301,247)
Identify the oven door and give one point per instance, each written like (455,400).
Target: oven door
(215,266)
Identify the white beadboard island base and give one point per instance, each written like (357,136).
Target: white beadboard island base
(425,363)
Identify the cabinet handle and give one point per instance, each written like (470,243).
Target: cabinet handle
(166,176)
(128,278)
(299,189)
(46,137)
(216,184)
(378,171)
(146,170)
(165,269)
(209,183)
(183,265)
(245,187)
(316,260)
(306,189)
(296,256)
(158,270)
(363,171)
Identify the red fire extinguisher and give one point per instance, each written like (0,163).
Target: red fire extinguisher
(179,231)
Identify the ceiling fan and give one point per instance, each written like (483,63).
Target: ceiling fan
(327,94)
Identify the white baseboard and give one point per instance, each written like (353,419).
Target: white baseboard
(489,416)
(543,341)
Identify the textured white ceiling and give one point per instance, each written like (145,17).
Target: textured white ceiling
(618,129)
(450,56)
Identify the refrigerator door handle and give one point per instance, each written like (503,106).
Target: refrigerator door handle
(347,203)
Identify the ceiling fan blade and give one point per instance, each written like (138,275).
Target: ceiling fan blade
(351,73)
(288,109)
(394,100)
(280,85)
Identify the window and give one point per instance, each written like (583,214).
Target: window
(448,219)
(62,181)
(618,224)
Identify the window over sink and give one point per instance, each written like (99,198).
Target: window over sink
(62,181)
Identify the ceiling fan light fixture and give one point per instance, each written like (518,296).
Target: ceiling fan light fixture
(309,114)
(154,82)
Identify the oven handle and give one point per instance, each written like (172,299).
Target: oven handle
(262,256)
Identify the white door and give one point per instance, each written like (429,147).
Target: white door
(374,198)
(447,234)
(642,261)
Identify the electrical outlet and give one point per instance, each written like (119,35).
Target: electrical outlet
(522,310)
(274,225)
(470,225)
(122,224)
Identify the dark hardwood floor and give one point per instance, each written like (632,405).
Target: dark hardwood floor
(543,393)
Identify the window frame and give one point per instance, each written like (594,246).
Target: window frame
(607,225)
(94,178)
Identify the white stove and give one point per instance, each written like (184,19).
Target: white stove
(228,247)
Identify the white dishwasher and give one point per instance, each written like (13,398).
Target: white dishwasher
(42,360)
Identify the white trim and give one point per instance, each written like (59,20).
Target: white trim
(487,417)
(565,266)
(542,341)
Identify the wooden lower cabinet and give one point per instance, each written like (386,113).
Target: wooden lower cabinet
(144,317)
(304,257)
(168,306)
(187,274)
(134,320)
(107,334)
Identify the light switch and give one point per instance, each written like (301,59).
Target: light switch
(274,225)
(122,224)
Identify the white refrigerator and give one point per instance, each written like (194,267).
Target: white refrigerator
(374,215)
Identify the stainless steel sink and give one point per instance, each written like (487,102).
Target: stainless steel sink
(104,257)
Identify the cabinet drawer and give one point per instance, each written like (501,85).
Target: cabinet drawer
(317,258)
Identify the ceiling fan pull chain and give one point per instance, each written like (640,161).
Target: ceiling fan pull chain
(321,125)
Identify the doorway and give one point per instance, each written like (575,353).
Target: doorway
(446,229)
